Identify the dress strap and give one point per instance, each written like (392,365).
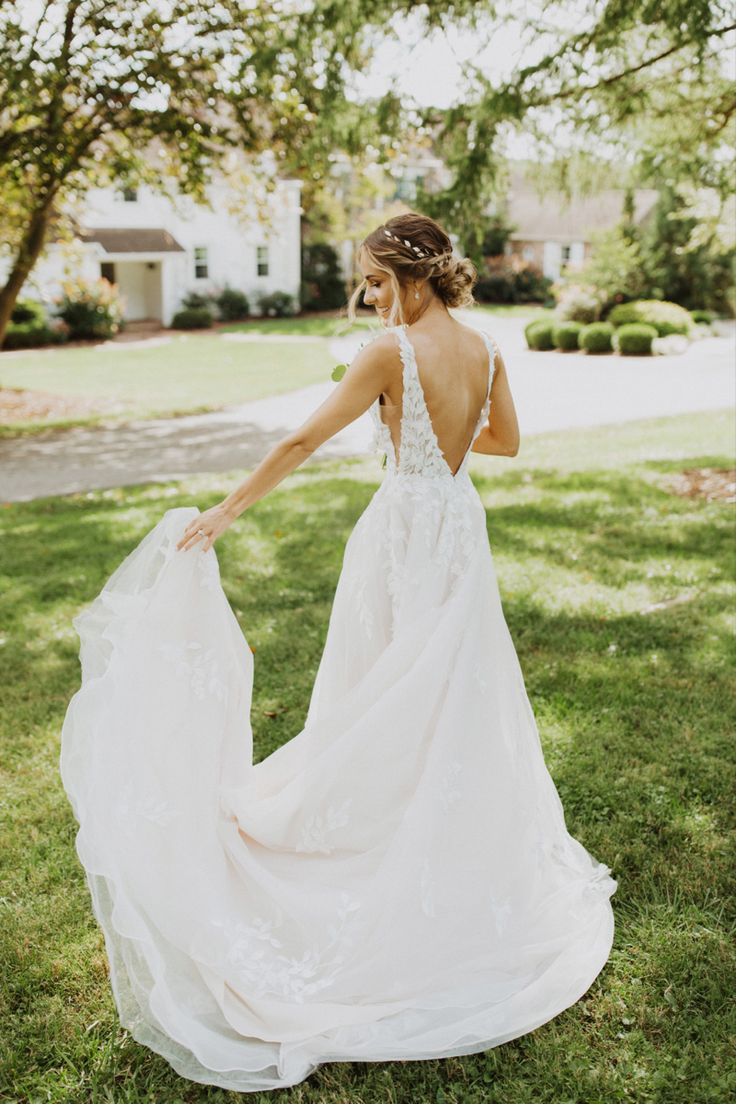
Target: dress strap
(492,350)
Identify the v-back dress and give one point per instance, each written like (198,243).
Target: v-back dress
(397,880)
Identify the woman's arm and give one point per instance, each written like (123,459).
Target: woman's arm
(368,375)
(500,437)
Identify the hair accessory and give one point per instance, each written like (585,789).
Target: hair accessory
(403,241)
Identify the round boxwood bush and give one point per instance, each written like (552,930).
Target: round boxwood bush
(565,335)
(703,317)
(192,318)
(667,318)
(596,338)
(539,335)
(535,321)
(635,339)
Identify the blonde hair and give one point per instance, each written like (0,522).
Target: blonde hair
(410,247)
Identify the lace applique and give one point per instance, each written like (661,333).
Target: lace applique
(316,828)
(501,911)
(197,666)
(143,799)
(251,947)
(448,789)
(365,613)
(426,886)
(207,571)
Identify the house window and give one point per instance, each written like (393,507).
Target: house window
(565,254)
(201,267)
(130,195)
(262,260)
(107,271)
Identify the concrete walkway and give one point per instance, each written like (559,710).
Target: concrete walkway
(551,391)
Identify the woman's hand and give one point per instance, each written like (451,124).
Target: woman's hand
(207,527)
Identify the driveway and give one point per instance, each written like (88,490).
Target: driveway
(551,391)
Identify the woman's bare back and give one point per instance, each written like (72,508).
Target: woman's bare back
(452,364)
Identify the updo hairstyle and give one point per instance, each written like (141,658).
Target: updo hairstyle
(415,247)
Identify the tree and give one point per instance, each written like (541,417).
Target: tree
(94,90)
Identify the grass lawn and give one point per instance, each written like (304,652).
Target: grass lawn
(619,597)
(189,372)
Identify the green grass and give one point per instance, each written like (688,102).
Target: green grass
(635,710)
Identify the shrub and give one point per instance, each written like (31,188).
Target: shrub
(197,300)
(565,335)
(577,302)
(511,281)
(635,339)
(276,303)
(322,287)
(703,317)
(28,310)
(31,335)
(192,318)
(232,305)
(667,318)
(539,335)
(539,318)
(90,308)
(596,337)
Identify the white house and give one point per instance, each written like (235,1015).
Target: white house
(157,249)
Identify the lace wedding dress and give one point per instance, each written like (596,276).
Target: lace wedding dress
(397,880)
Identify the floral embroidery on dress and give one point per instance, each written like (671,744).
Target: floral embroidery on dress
(144,799)
(198,665)
(317,827)
(207,571)
(365,611)
(448,788)
(426,886)
(501,910)
(251,947)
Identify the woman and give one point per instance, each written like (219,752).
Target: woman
(396,881)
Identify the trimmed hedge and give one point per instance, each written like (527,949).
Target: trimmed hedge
(703,317)
(667,318)
(192,318)
(539,335)
(565,335)
(635,339)
(597,337)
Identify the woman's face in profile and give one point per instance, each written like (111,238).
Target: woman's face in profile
(378,291)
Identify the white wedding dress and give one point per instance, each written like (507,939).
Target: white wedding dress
(397,880)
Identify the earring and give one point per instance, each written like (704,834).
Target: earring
(416,294)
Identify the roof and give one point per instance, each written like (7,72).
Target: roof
(557,218)
(128,240)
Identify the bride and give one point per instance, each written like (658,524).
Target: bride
(396,881)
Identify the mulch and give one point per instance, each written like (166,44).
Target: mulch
(712,484)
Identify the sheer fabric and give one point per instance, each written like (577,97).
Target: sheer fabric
(397,880)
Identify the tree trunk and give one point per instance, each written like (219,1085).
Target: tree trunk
(26,257)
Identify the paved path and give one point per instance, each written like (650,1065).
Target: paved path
(551,391)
